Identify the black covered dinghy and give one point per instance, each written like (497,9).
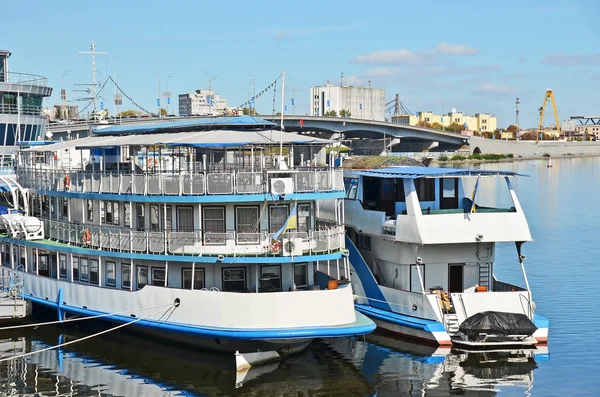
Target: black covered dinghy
(499,324)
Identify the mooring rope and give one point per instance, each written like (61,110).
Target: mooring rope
(85,337)
(81,318)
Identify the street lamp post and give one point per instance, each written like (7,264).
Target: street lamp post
(158,98)
(167,94)
(63,92)
(209,97)
(252,99)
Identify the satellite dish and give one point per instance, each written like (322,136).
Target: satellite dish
(453,110)
(49,135)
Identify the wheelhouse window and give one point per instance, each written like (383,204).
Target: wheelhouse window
(214,219)
(186,275)
(425,188)
(62,266)
(94,277)
(270,278)
(234,279)
(300,275)
(158,276)
(351,185)
(110,280)
(125,275)
(84,270)
(277,216)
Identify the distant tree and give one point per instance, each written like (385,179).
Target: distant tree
(345,113)
(58,113)
(424,124)
(331,113)
(437,126)
(454,127)
(278,114)
(130,113)
(249,111)
(512,128)
(163,112)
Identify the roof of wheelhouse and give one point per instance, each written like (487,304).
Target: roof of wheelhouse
(433,172)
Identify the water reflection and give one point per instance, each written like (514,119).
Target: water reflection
(124,365)
(397,367)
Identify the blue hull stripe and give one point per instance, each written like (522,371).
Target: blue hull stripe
(366,277)
(541,321)
(401,319)
(361,326)
(173,258)
(206,198)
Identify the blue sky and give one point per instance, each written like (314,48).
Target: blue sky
(470,55)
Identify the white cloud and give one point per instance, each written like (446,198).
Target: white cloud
(408,57)
(493,89)
(571,60)
(455,49)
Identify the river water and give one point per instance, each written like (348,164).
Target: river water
(562,208)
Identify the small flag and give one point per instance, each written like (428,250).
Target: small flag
(290,223)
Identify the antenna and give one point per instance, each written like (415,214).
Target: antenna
(94,52)
(282,110)
(517,114)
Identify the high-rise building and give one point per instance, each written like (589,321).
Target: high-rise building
(361,102)
(201,103)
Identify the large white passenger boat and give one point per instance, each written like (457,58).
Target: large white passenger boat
(423,253)
(199,230)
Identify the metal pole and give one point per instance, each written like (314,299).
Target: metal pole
(62,87)
(167,93)
(158,101)
(282,108)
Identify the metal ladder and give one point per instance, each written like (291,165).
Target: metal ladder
(451,323)
(484,275)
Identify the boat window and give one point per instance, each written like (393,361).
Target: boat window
(185,219)
(75,268)
(351,187)
(300,274)
(425,188)
(127,214)
(110,274)
(62,260)
(186,275)
(154,218)
(277,216)
(83,276)
(142,276)
(94,271)
(43,269)
(65,207)
(125,275)
(270,278)
(140,217)
(109,212)
(169,220)
(214,219)
(246,219)
(234,279)
(158,276)
(400,195)
(304,217)
(90,210)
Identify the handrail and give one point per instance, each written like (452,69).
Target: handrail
(24,78)
(28,110)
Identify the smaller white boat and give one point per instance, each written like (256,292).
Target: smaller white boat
(549,165)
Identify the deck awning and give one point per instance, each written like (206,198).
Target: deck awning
(433,172)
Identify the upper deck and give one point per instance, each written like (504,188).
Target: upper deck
(225,159)
(432,205)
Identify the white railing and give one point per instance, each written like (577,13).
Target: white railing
(175,184)
(194,242)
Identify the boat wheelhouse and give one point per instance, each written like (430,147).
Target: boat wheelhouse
(217,220)
(422,252)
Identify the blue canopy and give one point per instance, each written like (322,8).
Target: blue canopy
(184,125)
(433,172)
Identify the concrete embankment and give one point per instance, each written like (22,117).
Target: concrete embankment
(534,149)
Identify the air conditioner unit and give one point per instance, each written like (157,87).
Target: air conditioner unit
(293,246)
(282,186)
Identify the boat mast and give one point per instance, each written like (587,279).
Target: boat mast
(282,109)
(94,52)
